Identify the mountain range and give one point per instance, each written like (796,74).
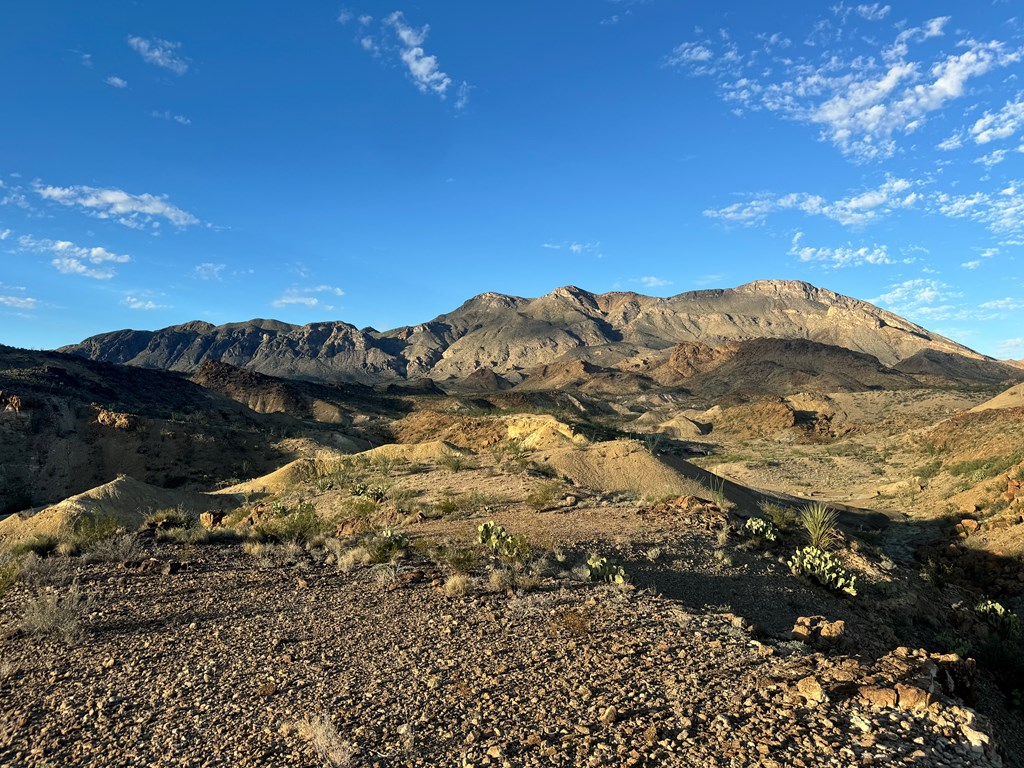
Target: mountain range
(496,341)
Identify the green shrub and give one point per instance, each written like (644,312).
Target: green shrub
(820,523)
(383,545)
(824,568)
(601,570)
(39,544)
(89,529)
(759,528)
(454,461)
(545,494)
(782,517)
(299,524)
(166,519)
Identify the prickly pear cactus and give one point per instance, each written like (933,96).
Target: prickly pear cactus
(824,568)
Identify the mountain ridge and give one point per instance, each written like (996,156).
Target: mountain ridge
(511,334)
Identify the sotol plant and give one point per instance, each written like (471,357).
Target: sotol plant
(824,568)
(820,524)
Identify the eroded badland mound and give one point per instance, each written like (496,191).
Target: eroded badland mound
(261,544)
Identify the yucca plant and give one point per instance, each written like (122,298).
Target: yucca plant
(820,523)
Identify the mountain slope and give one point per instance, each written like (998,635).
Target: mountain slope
(508,334)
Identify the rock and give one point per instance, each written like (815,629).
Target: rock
(609,715)
(810,688)
(819,631)
(171,567)
(883,698)
(913,698)
(266,690)
(212,519)
(977,739)
(969,525)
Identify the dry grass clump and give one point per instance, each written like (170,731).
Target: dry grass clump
(119,548)
(351,558)
(570,621)
(456,585)
(60,615)
(44,571)
(454,461)
(545,495)
(325,740)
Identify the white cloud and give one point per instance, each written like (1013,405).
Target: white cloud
(71,259)
(999,125)
(971,264)
(860,103)
(160,53)
(140,303)
(573,247)
(1011,348)
(954,141)
(842,256)
(858,209)
(1007,304)
(208,271)
(1002,212)
(404,41)
(873,12)
(650,281)
(168,115)
(306,297)
(4,234)
(995,157)
(116,82)
(128,209)
(19,302)
(424,69)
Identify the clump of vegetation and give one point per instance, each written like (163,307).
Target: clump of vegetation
(325,740)
(545,495)
(512,452)
(459,559)
(298,524)
(1003,621)
(510,548)
(457,584)
(120,548)
(375,493)
(384,545)
(820,523)
(601,570)
(759,528)
(780,516)
(8,570)
(167,519)
(60,615)
(90,529)
(824,568)
(571,621)
(40,545)
(454,461)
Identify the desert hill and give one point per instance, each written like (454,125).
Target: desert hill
(513,336)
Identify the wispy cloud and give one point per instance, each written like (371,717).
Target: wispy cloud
(17,302)
(1011,348)
(4,234)
(841,256)
(862,104)
(399,38)
(141,302)
(168,115)
(116,82)
(971,264)
(307,297)
(1000,124)
(208,271)
(71,259)
(125,208)
(1002,212)
(858,209)
(574,247)
(160,53)
(650,281)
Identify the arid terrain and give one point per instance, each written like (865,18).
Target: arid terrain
(770,525)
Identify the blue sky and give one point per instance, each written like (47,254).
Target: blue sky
(381,163)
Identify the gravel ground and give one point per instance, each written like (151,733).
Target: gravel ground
(244,661)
